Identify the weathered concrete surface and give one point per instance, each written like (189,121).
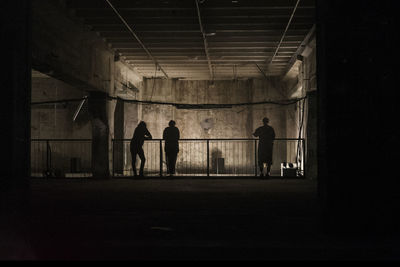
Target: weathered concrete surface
(301,82)
(235,122)
(64,49)
(56,120)
(15,34)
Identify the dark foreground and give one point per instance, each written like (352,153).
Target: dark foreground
(181,219)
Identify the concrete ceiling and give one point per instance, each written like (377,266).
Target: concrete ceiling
(207,39)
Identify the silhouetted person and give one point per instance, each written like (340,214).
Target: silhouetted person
(171,136)
(266,135)
(141,133)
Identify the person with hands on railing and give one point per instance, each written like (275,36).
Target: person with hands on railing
(140,134)
(265,146)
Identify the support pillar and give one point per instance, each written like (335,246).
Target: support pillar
(100,132)
(118,145)
(15,30)
(311,167)
(357,137)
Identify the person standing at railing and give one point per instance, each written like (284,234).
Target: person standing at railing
(171,136)
(266,135)
(136,146)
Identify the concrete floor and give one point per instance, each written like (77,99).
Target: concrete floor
(186,219)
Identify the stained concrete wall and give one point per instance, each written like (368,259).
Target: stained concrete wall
(302,118)
(63,48)
(236,122)
(55,121)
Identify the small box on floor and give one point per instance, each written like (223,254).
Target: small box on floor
(288,169)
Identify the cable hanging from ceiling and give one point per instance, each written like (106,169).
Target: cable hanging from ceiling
(211,106)
(179,105)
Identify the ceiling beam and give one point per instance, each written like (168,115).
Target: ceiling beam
(284,33)
(265,27)
(300,49)
(204,40)
(137,38)
(210,13)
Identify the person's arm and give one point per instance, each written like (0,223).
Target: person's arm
(256,133)
(148,135)
(164,133)
(179,135)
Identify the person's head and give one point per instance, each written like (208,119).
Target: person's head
(171,123)
(265,121)
(142,124)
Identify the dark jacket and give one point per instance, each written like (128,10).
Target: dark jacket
(171,136)
(266,134)
(141,133)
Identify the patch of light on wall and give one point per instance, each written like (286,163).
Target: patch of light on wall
(298,93)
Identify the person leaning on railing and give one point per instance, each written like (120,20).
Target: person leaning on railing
(140,134)
(267,135)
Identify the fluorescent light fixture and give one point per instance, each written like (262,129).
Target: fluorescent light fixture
(79,109)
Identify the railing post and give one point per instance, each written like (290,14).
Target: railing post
(255,157)
(208,157)
(304,157)
(112,160)
(161,159)
(47,158)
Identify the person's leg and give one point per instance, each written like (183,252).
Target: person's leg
(142,161)
(133,155)
(167,160)
(261,166)
(269,165)
(269,168)
(173,157)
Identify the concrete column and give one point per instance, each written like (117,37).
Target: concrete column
(118,153)
(100,134)
(357,137)
(15,20)
(311,167)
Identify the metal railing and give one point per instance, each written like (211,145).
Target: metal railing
(61,157)
(197,157)
(211,157)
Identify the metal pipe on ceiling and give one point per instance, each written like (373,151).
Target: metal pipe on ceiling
(300,50)
(262,72)
(137,38)
(284,33)
(205,41)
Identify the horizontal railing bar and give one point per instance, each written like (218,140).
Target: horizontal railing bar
(187,139)
(64,140)
(221,139)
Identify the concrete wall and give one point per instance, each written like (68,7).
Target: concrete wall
(235,122)
(301,82)
(55,121)
(63,48)
(50,121)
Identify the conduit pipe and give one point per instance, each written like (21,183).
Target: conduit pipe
(205,41)
(284,33)
(137,38)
